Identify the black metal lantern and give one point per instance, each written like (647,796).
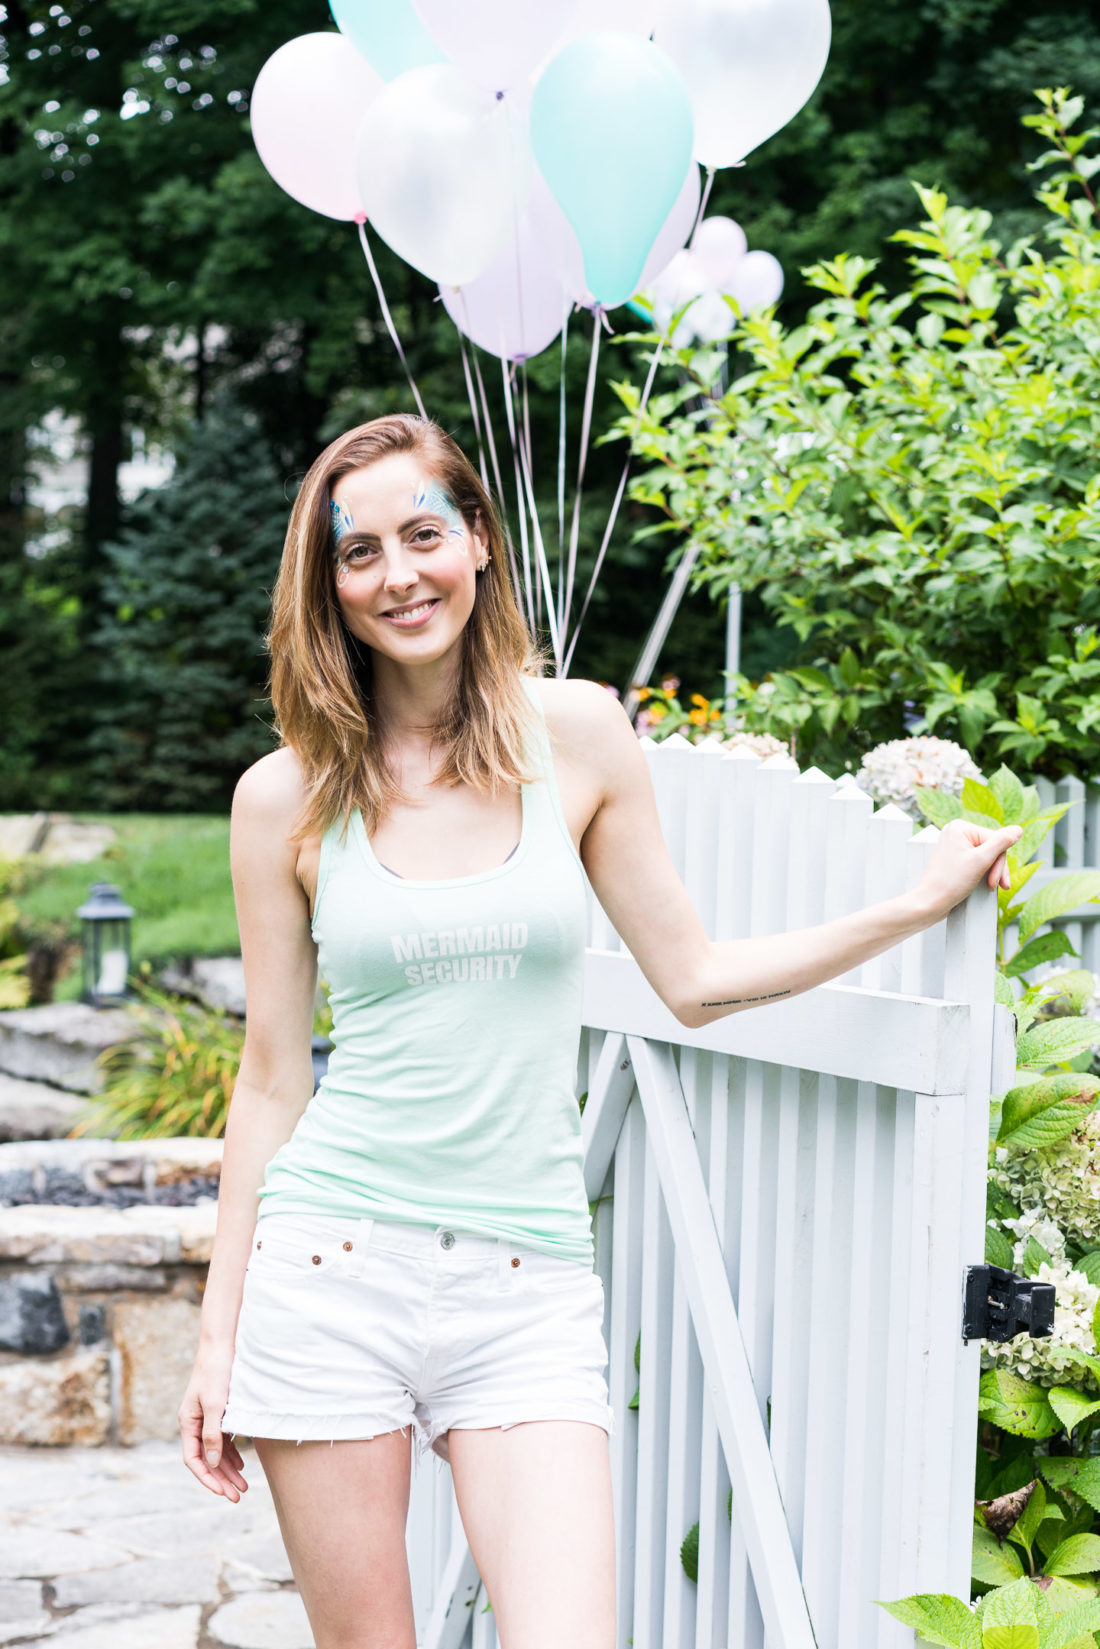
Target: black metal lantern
(105,943)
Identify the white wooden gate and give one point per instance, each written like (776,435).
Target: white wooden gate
(785,1201)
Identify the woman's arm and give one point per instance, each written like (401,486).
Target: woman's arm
(273,1087)
(700,979)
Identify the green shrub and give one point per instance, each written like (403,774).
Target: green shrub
(911,484)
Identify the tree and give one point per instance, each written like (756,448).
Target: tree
(181,708)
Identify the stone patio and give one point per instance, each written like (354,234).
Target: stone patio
(121,1548)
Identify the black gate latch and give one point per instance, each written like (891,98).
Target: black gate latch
(998,1305)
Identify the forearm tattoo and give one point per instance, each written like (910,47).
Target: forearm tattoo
(739,1001)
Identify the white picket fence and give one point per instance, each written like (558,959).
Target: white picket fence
(1073,844)
(786,1201)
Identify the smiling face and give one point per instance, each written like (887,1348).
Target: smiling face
(403,559)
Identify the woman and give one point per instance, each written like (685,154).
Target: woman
(420,1256)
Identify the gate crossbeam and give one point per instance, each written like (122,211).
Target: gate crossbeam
(726,1368)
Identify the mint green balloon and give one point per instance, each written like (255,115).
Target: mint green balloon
(612,131)
(388,33)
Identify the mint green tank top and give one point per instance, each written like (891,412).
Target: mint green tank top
(450,1094)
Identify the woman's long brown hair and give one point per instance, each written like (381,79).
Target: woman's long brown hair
(321,677)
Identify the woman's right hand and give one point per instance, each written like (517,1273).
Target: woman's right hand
(208,1452)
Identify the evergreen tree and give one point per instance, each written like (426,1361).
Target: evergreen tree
(182,706)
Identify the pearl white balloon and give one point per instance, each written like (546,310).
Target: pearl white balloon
(680,282)
(497,42)
(306,109)
(444,171)
(516,307)
(757,281)
(718,245)
(675,230)
(749,65)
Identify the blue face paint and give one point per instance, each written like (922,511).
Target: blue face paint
(429,495)
(342,521)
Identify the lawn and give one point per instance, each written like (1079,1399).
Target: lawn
(172,868)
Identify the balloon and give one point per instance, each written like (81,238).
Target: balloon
(682,281)
(711,318)
(750,65)
(307,106)
(674,231)
(718,244)
(516,307)
(757,281)
(387,33)
(611,131)
(497,42)
(552,229)
(444,171)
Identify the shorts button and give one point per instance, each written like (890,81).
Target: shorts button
(316,1259)
(447,1240)
(347,1246)
(259,1245)
(515,1262)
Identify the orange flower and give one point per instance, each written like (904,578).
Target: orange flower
(656,712)
(697,698)
(645,693)
(697,716)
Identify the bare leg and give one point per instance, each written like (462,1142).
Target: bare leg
(537,1508)
(342,1509)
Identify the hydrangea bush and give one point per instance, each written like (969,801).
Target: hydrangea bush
(893,772)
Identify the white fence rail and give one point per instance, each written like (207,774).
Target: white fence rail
(785,1202)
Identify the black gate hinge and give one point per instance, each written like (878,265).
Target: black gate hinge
(998,1305)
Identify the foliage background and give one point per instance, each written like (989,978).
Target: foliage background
(146,258)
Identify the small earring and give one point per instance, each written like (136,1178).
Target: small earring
(481,566)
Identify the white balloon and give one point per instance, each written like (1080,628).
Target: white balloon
(444,170)
(554,233)
(750,65)
(306,109)
(757,281)
(497,42)
(717,246)
(711,318)
(679,283)
(674,231)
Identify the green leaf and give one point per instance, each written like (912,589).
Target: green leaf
(1009,792)
(1080,1477)
(994,1562)
(1044,947)
(998,1249)
(1079,1555)
(1016,1405)
(1072,1406)
(1065,1629)
(1089,1265)
(1044,1111)
(689,1553)
(1047,1043)
(1011,1616)
(937,806)
(1028,1522)
(981,798)
(1080,887)
(938,1618)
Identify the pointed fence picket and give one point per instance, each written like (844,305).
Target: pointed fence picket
(783,1204)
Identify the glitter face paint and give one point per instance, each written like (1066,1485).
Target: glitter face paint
(429,495)
(342,521)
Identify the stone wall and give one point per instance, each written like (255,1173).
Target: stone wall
(99,1306)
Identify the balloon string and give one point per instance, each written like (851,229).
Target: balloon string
(521,505)
(518,587)
(561,449)
(515,429)
(472,398)
(614,507)
(526,435)
(703,198)
(586,427)
(386,316)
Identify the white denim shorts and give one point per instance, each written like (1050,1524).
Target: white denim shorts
(353,1327)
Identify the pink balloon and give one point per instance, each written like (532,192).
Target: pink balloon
(497,42)
(675,230)
(517,306)
(718,245)
(307,106)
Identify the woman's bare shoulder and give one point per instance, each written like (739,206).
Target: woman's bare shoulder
(272,789)
(582,716)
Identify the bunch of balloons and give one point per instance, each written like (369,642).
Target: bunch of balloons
(531,155)
(715,263)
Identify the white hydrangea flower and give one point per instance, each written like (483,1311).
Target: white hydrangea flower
(762,744)
(1046,1361)
(892,771)
(1063,1180)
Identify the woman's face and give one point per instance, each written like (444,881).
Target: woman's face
(403,559)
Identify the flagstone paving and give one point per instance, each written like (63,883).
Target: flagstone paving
(120,1548)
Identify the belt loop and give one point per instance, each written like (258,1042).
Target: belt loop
(363,1229)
